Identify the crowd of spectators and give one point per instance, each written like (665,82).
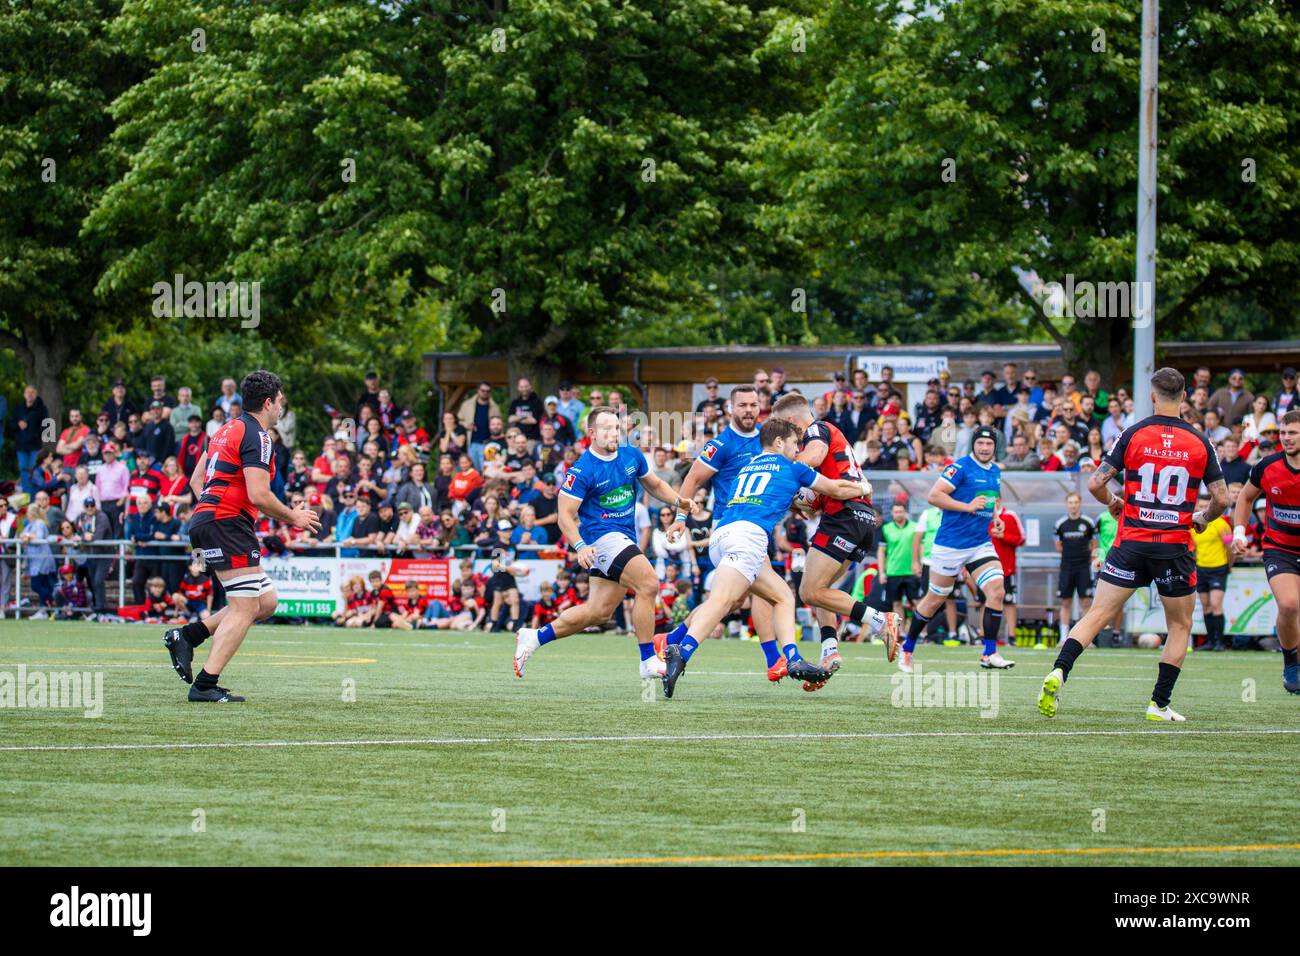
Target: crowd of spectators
(483,481)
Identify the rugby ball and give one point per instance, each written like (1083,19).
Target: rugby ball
(1149,640)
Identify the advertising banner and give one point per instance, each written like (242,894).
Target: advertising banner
(1248,607)
(313,587)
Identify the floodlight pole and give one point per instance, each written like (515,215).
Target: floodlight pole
(1144,292)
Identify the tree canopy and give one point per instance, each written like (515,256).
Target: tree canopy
(550,178)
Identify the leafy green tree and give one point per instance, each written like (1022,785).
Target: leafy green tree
(981,136)
(59,71)
(541,166)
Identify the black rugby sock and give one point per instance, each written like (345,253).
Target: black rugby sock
(992,623)
(205,681)
(917,627)
(1068,654)
(1164,688)
(196,632)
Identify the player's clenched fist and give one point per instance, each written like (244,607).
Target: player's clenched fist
(586,556)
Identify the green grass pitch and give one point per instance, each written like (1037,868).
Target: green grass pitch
(742,771)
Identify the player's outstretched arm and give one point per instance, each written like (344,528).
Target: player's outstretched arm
(666,492)
(258,483)
(841,489)
(695,478)
(1241,516)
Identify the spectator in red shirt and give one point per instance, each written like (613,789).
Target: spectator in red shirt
(191,446)
(410,606)
(72,438)
(1007,535)
(322,469)
(383,604)
(145,480)
(545,609)
(465,483)
(410,433)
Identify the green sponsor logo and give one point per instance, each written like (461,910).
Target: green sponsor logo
(617,498)
(305,608)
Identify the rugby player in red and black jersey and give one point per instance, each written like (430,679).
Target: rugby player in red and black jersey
(846,533)
(233,482)
(1277,478)
(1162,462)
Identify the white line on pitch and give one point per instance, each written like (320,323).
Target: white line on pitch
(840,675)
(640,738)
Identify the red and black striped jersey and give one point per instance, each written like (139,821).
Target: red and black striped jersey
(1162,461)
(406,603)
(195,588)
(148,482)
(236,445)
(384,598)
(839,462)
(545,611)
(1280,485)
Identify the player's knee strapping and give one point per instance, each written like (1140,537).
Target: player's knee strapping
(940,590)
(245,586)
(986,575)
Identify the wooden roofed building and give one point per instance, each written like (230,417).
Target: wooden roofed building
(671,379)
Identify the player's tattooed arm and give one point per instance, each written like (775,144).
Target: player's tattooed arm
(1098,483)
(1218,505)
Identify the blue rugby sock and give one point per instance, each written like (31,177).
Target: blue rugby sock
(770,651)
(791,652)
(689,646)
(647,650)
(546,635)
(909,645)
(677,634)
(990,646)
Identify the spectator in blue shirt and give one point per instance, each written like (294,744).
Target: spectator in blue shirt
(569,405)
(528,531)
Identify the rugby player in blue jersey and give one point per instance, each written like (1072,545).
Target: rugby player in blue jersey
(967,492)
(763,492)
(718,463)
(597,515)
